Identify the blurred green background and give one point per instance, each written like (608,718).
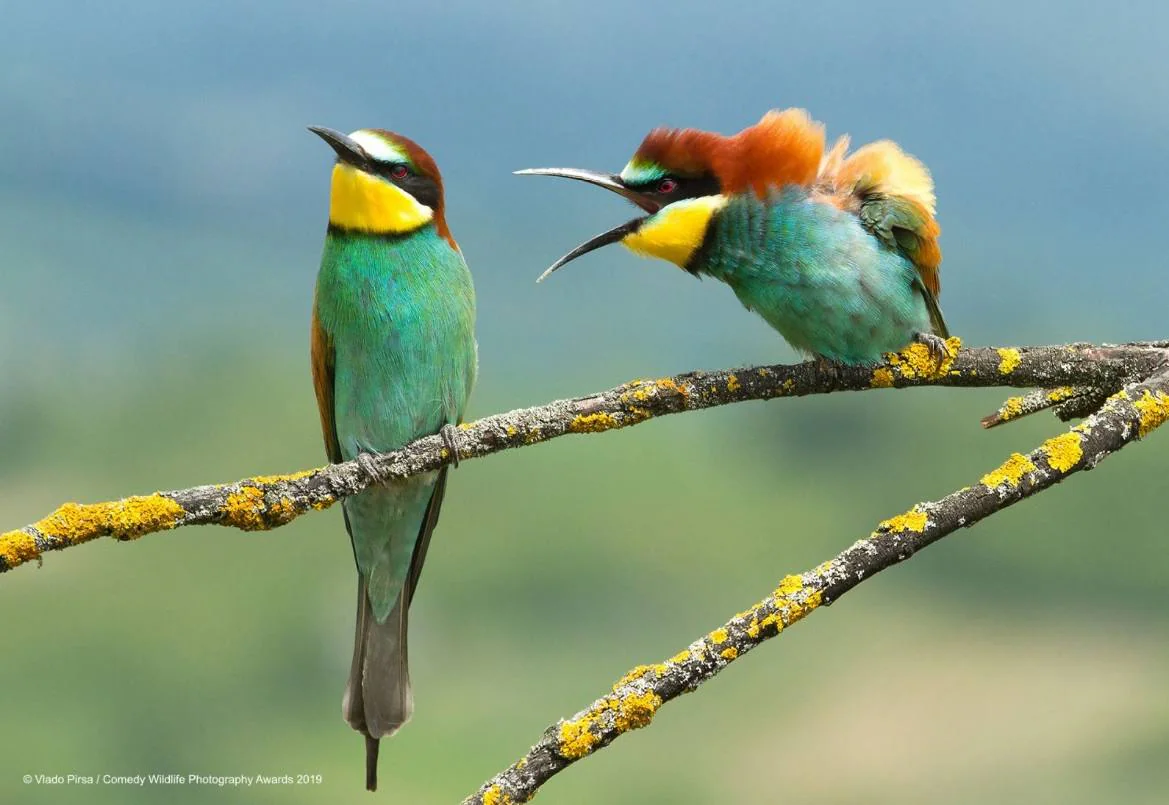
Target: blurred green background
(161,216)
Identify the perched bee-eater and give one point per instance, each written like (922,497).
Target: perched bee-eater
(393,358)
(837,252)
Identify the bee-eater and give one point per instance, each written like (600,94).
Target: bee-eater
(393,359)
(837,252)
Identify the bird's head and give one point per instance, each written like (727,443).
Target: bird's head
(681,178)
(383,184)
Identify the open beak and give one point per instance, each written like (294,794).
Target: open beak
(609,182)
(348,150)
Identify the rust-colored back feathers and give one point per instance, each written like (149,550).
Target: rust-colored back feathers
(781,149)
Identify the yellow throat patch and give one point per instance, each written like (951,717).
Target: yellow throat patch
(676,231)
(367,203)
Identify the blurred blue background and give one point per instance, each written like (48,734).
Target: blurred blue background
(161,216)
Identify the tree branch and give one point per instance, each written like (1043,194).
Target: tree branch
(264,502)
(1129,414)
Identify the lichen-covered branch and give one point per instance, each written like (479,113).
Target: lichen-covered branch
(1128,414)
(265,502)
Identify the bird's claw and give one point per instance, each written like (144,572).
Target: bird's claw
(450,438)
(369,467)
(935,344)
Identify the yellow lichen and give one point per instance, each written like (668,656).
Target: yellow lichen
(248,510)
(1010,473)
(124,519)
(919,357)
(1011,408)
(592,423)
(636,710)
(1009,360)
(496,796)
(577,738)
(16,548)
(718,636)
(669,384)
(1063,451)
(802,610)
(764,372)
(882,378)
(912,520)
(511,431)
(729,653)
(732,383)
(789,585)
(637,415)
(789,607)
(759,622)
(1153,410)
(244,509)
(1060,394)
(681,656)
(789,384)
(916,360)
(282,511)
(265,480)
(636,673)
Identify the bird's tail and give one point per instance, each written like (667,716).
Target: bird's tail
(377,699)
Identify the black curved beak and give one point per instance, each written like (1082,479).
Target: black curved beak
(348,150)
(608,181)
(614,235)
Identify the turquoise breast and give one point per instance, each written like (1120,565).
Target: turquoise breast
(815,275)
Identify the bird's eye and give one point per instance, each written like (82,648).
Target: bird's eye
(399,171)
(667,185)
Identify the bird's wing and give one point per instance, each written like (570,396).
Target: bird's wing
(892,195)
(322,361)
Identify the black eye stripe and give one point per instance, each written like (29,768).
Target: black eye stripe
(685,187)
(422,188)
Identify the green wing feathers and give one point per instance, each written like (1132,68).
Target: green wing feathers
(892,194)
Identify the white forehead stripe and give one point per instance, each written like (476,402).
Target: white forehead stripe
(377,147)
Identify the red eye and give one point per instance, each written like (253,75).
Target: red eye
(667,186)
(399,171)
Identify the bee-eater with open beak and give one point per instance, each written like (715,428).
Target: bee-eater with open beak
(837,252)
(393,359)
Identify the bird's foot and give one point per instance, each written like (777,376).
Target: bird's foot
(370,468)
(935,344)
(451,437)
